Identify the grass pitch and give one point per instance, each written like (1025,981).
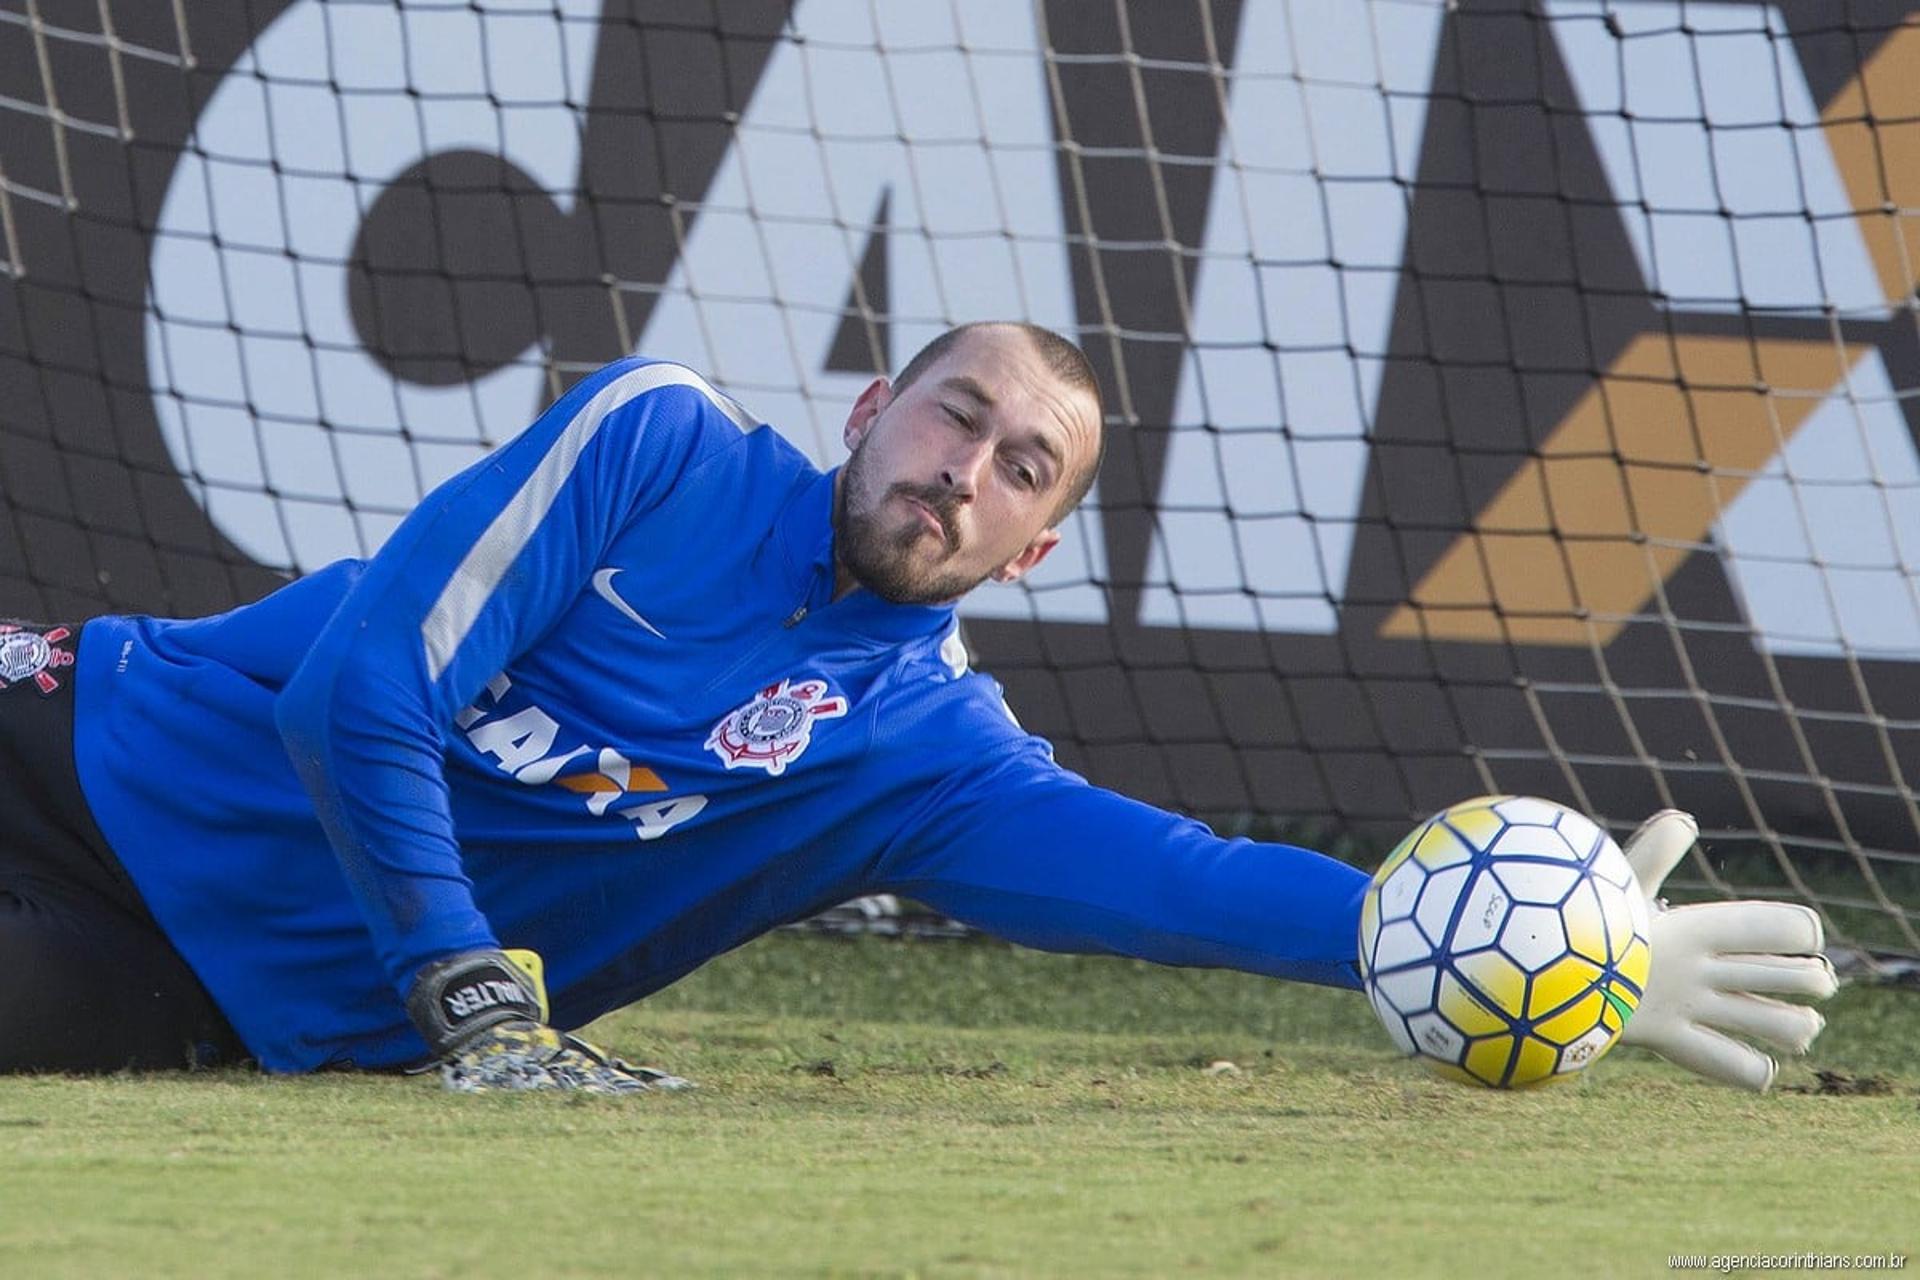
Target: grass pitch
(882,1108)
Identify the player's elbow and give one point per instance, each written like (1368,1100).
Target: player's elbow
(318,702)
(302,712)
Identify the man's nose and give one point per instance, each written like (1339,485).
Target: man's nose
(961,474)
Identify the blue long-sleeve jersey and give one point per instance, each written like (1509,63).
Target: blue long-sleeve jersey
(595,697)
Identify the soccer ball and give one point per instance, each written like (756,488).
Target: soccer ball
(1504,942)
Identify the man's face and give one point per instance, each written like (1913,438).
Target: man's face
(959,476)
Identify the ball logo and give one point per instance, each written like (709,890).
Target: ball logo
(775,727)
(1495,905)
(29,655)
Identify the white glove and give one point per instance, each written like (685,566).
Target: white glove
(1712,960)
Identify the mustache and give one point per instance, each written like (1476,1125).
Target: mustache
(944,504)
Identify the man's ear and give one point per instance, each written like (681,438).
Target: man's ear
(1034,552)
(877,396)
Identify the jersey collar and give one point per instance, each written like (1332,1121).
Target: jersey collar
(806,537)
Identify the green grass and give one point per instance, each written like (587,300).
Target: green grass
(875,1108)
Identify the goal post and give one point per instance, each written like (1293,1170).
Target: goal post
(1504,395)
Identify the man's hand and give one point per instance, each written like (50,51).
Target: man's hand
(528,1055)
(1714,966)
(484,1013)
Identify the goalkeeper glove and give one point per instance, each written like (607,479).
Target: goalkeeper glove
(484,1015)
(1714,966)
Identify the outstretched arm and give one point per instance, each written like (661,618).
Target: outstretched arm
(1033,853)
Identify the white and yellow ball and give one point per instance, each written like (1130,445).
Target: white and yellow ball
(1504,942)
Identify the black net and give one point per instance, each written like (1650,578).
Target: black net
(1502,396)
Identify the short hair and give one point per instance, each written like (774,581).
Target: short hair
(1063,360)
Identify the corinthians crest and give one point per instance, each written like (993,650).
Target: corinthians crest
(31,655)
(775,727)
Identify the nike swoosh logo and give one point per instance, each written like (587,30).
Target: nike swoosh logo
(603,587)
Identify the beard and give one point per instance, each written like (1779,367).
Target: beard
(881,557)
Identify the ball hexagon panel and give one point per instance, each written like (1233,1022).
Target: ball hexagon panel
(1542,882)
(1487,1059)
(1437,901)
(1621,1000)
(1580,832)
(1633,965)
(1639,913)
(1611,865)
(1528,811)
(1573,1022)
(1401,890)
(1533,937)
(1483,913)
(1465,1010)
(1533,842)
(1400,943)
(1478,827)
(1585,924)
(1370,926)
(1585,1050)
(1436,1036)
(1562,981)
(1533,1064)
(1495,979)
(1391,1019)
(1409,990)
(1438,847)
(1617,907)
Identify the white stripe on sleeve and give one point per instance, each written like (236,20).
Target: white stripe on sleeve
(488,560)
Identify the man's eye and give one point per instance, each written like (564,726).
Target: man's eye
(1026,476)
(959,418)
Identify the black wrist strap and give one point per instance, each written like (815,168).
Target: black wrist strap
(456,998)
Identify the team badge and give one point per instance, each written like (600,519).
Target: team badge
(774,728)
(32,655)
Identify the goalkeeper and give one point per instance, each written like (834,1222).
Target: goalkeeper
(637,687)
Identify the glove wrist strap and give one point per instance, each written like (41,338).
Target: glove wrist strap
(456,998)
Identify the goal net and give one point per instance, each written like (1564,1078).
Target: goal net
(1504,395)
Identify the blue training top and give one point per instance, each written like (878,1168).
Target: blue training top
(595,698)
